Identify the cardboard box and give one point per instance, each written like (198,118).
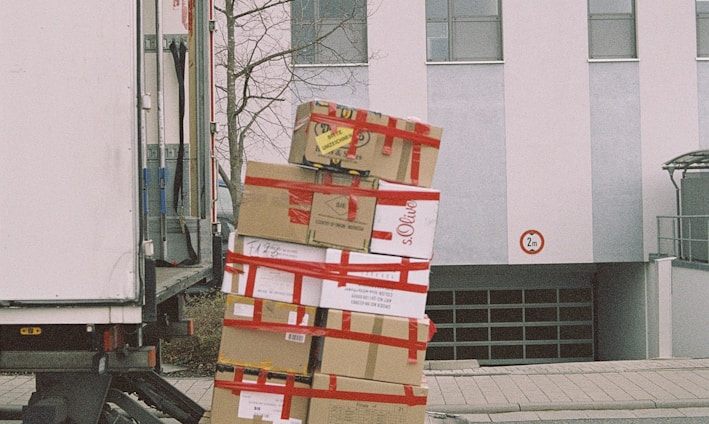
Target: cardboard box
(357,401)
(395,149)
(405,221)
(376,284)
(374,347)
(255,267)
(302,205)
(266,334)
(246,396)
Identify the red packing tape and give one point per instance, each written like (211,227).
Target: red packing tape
(408,398)
(412,345)
(336,272)
(418,136)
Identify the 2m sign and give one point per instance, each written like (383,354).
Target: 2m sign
(531,242)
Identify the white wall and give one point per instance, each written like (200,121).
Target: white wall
(397,70)
(548,129)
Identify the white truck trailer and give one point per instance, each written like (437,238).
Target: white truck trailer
(107,209)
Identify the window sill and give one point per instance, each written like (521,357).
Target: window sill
(468,62)
(611,60)
(331,65)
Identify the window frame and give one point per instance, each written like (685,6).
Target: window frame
(320,54)
(609,17)
(702,42)
(450,22)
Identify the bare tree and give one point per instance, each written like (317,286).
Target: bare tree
(256,56)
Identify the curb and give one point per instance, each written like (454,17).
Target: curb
(568,406)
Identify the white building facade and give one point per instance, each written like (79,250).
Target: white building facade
(558,116)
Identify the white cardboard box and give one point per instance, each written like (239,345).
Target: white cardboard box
(255,269)
(376,284)
(405,225)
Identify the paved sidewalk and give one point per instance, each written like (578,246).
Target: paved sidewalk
(617,389)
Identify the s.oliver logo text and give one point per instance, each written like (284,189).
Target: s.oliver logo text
(406,228)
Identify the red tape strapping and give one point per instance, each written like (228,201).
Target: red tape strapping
(412,344)
(337,272)
(385,195)
(417,136)
(409,398)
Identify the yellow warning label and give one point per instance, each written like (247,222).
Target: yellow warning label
(333,140)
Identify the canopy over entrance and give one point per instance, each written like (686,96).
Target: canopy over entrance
(693,160)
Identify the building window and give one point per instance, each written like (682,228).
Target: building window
(702,28)
(611,29)
(329,31)
(463,30)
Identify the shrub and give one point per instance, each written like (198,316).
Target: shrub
(199,353)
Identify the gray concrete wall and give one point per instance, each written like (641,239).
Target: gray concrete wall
(616,163)
(468,102)
(690,314)
(621,311)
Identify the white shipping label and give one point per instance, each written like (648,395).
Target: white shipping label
(268,406)
(244,310)
(293,320)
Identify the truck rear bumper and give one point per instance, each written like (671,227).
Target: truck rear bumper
(137,360)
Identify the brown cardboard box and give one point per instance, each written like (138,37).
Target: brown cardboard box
(252,270)
(374,347)
(242,396)
(376,284)
(266,334)
(356,401)
(395,149)
(302,205)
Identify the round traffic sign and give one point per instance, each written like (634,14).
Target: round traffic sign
(531,242)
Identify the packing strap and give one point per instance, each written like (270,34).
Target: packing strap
(289,390)
(339,272)
(262,381)
(301,194)
(418,137)
(412,344)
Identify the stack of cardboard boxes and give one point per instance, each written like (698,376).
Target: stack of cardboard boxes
(328,275)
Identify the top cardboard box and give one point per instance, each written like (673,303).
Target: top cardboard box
(345,139)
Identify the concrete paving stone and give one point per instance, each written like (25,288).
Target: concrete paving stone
(657,413)
(688,381)
(489,389)
(476,418)
(471,391)
(589,387)
(633,390)
(695,412)
(606,414)
(530,390)
(561,415)
(550,389)
(508,387)
(694,382)
(574,393)
(676,390)
(606,381)
(646,380)
(450,391)
(514,416)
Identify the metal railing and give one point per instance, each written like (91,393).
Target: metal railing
(684,236)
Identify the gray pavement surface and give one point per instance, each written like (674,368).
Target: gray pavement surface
(562,391)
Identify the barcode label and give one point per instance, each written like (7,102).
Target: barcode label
(293,337)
